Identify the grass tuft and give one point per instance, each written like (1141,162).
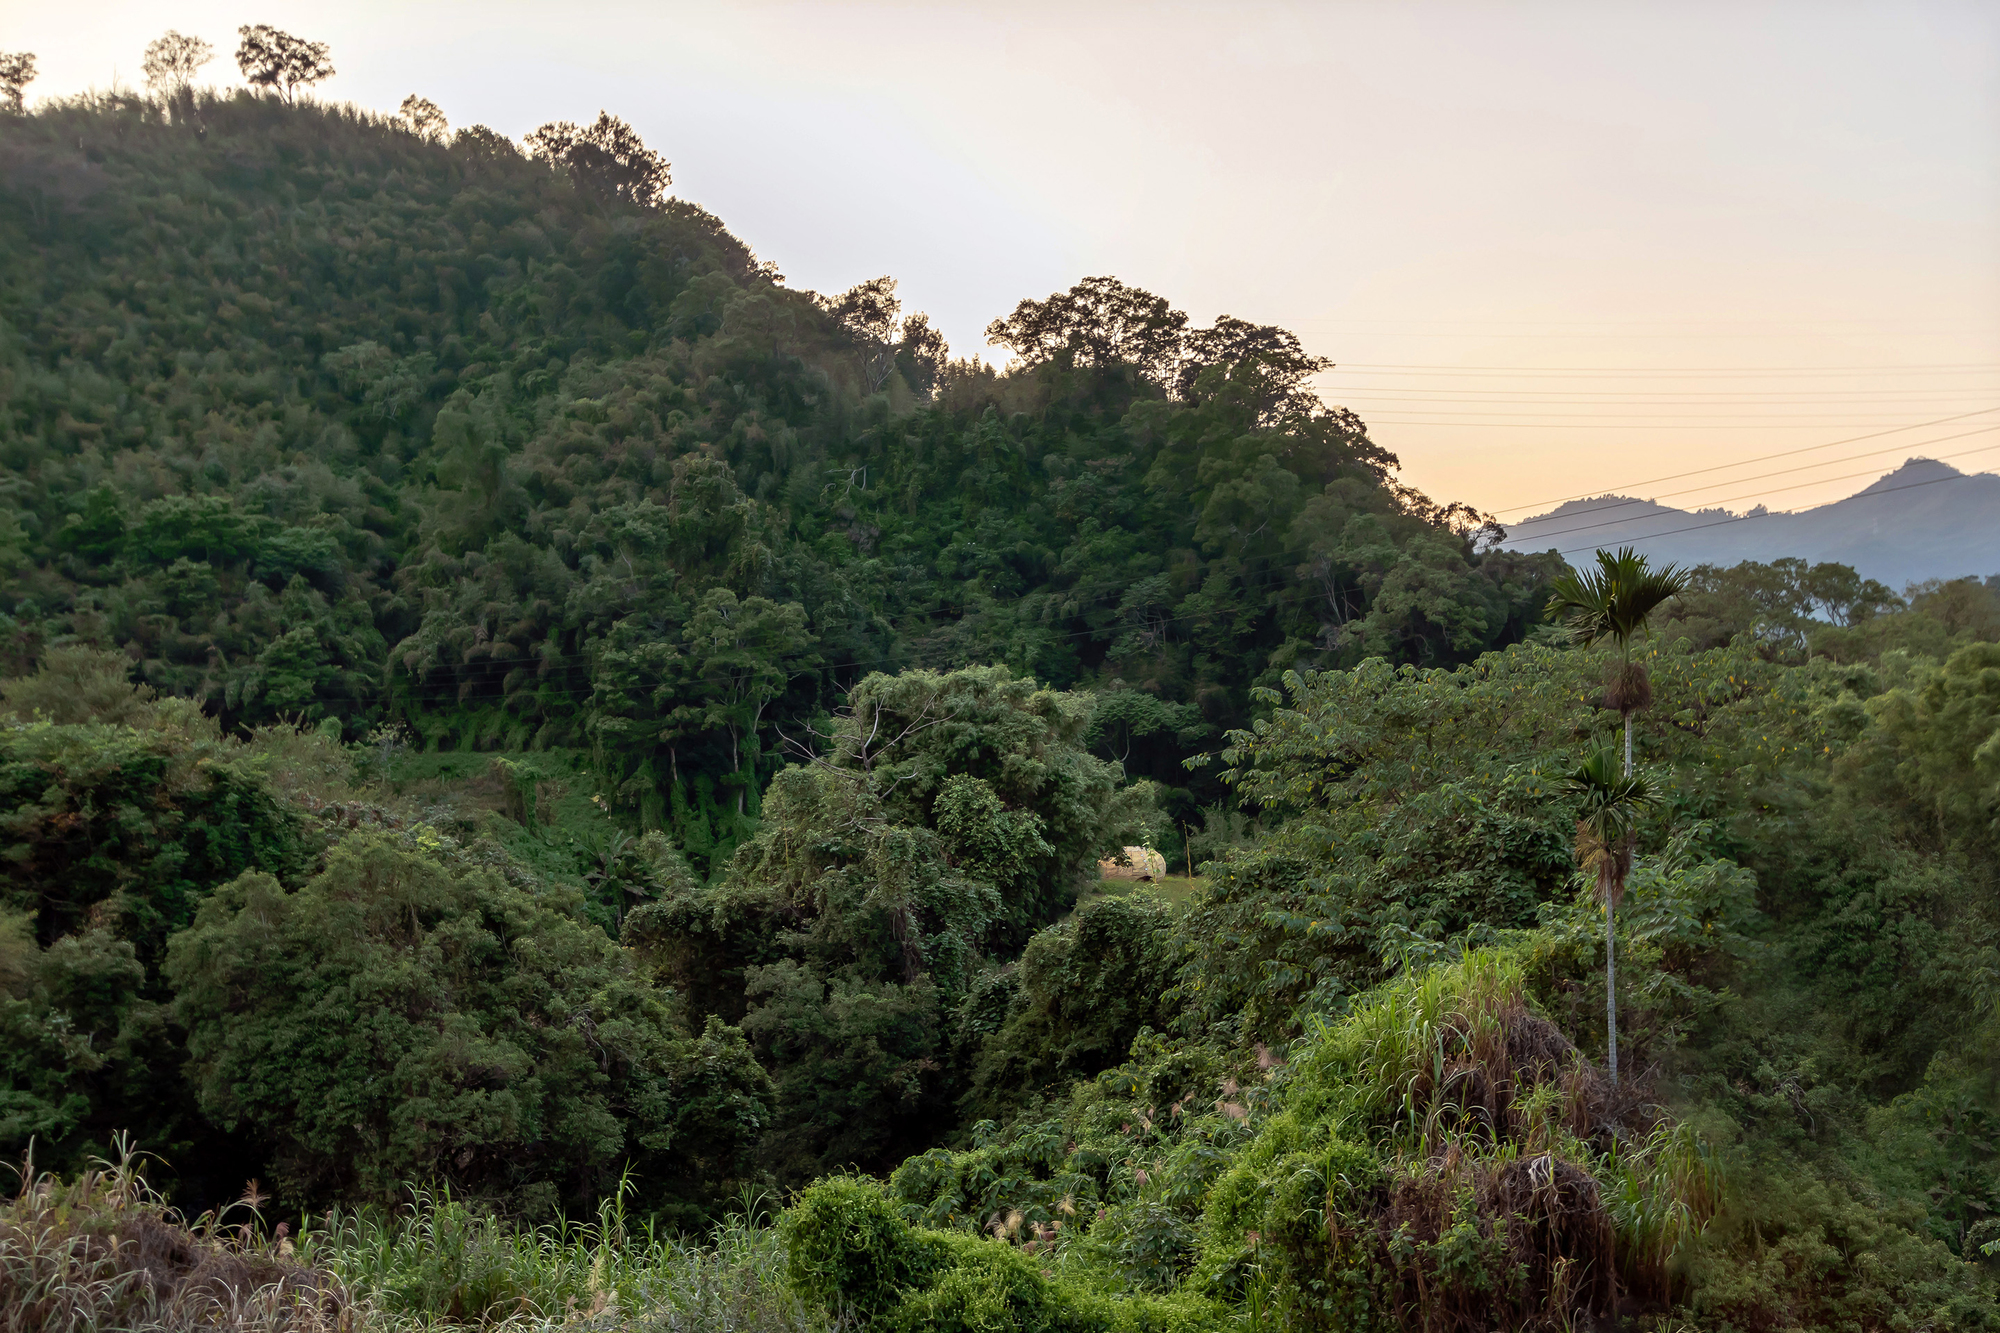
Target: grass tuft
(104,1252)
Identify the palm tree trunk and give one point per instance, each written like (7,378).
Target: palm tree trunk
(1610,992)
(1610,964)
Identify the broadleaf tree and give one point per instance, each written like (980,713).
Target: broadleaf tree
(270,58)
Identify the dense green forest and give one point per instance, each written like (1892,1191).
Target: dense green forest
(321,419)
(512,717)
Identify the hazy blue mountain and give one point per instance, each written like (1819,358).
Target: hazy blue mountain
(1924,520)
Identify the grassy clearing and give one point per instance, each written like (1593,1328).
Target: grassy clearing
(1176,890)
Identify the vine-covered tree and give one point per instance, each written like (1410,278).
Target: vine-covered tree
(463,453)
(941,820)
(739,655)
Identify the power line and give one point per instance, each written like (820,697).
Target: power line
(1756,495)
(1631,398)
(1582,335)
(1617,425)
(1830,462)
(1433,368)
(1867,323)
(1760,458)
(1641,416)
(1596,417)
(1741,518)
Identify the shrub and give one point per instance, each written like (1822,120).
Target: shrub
(851,1251)
(407,1016)
(848,1248)
(1445,1157)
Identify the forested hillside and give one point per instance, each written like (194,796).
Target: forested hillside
(582,771)
(318,418)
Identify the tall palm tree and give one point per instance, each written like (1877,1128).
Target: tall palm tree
(1608,817)
(1615,602)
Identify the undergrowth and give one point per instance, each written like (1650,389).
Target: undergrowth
(103,1253)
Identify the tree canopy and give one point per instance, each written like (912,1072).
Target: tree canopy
(605,157)
(17,71)
(497,1042)
(171,62)
(488,450)
(270,58)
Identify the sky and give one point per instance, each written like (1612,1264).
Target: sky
(1554,249)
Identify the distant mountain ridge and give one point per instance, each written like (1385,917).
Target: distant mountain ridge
(1925,520)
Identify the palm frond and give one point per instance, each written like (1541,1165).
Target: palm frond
(1607,819)
(1612,804)
(1614,600)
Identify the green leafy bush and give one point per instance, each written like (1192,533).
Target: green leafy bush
(850,1250)
(406,1015)
(953,814)
(1083,990)
(126,822)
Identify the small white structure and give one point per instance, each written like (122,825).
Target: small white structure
(1142,863)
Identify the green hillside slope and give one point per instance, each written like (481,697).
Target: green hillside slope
(319,419)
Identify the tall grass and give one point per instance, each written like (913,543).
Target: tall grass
(1661,1191)
(103,1253)
(439,1264)
(1450,1053)
(1481,1105)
